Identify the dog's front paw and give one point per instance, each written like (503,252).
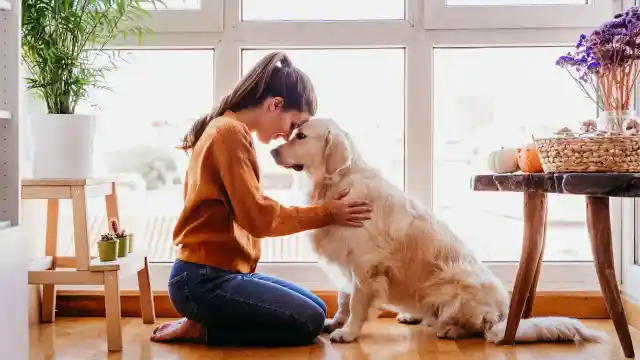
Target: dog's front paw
(451,332)
(408,319)
(343,335)
(331,325)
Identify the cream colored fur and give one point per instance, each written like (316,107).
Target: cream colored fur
(404,258)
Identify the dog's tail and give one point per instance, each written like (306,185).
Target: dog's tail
(544,329)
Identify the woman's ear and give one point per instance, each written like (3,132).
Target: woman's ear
(337,155)
(278,103)
(273,104)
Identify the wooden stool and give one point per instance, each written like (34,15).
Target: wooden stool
(597,187)
(83,269)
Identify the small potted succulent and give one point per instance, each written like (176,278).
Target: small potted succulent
(130,237)
(108,247)
(123,238)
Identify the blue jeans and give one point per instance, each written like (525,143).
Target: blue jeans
(239,309)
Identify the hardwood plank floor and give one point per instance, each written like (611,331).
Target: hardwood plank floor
(84,338)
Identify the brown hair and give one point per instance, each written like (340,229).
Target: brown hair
(266,79)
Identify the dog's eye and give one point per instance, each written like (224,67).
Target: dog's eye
(300,135)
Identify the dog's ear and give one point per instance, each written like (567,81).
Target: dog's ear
(337,153)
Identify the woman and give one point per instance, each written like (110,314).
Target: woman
(213,283)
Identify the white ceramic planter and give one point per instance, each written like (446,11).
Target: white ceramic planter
(62,145)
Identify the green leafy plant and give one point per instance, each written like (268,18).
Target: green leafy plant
(63,39)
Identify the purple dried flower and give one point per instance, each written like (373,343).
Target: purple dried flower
(592,66)
(612,47)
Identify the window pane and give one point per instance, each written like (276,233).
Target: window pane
(173,5)
(493,97)
(347,81)
(154,97)
(513,2)
(273,10)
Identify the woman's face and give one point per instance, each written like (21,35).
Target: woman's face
(277,123)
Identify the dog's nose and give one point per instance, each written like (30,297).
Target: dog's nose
(275,152)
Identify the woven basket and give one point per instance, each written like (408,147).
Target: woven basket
(589,154)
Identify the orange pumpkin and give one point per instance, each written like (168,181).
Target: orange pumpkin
(528,159)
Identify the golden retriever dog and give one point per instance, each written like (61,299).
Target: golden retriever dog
(404,258)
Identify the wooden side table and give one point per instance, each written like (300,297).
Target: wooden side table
(597,187)
(83,269)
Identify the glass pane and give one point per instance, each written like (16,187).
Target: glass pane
(486,98)
(274,10)
(173,5)
(346,81)
(155,95)
(513,2)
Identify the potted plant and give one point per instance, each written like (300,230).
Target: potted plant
(61,43)
(123,238)
(605,65)
(130,239)
(108,247)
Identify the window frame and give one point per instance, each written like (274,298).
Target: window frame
(419,44)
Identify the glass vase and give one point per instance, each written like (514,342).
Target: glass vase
(608,121)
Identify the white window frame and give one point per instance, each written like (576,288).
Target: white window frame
(419,44)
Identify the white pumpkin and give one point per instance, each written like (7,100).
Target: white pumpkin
(503,161)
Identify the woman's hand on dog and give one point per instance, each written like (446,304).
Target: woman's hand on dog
(349,212)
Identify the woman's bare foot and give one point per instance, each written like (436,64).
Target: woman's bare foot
(179,330)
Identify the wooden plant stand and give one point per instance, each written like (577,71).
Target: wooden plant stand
(83,269)
(597,188)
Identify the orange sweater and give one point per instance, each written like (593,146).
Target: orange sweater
(225,213)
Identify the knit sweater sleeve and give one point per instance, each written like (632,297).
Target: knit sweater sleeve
(258,214)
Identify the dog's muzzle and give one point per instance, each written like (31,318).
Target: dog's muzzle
(275,153)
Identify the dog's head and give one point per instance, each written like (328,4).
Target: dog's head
(319,147)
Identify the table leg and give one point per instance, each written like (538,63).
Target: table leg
(111,202)
(528,308)
(599,226)
(51,249)
(113,310)
(535,216)
(147,308)
(80,227)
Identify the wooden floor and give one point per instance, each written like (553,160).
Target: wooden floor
(84,338)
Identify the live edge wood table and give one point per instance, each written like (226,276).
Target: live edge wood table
(597,188)
(84,269)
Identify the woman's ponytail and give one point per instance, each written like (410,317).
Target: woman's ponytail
(253,89)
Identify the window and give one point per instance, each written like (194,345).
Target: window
(423,103)
(154,97)
(513,2)
(364,74)
(287,10)
(174,5)
(630,262)
(186,16)
(482,101)
(516,14)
